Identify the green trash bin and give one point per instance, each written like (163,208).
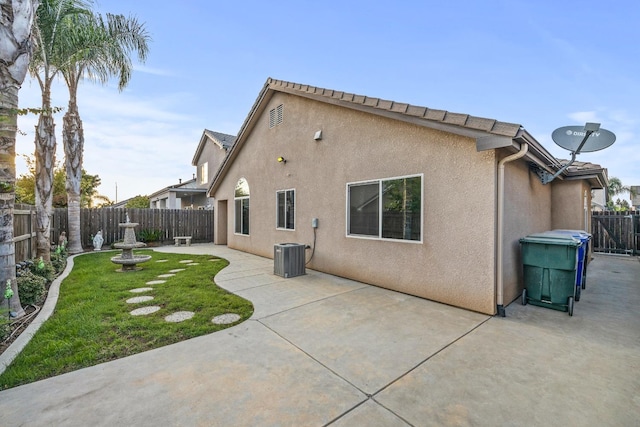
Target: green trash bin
(550,264)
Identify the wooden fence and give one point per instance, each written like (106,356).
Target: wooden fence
(24,231)
(616,232)
(169,222)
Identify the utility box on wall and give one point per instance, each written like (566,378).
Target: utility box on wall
(289,259)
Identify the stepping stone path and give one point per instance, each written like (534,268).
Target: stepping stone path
(139,290)
(178,316)
(136,300)
(144,310)
(225,319)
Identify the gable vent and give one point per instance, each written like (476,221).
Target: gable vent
(276,116)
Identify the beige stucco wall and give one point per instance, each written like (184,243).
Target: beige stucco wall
(454,264)
(568,205)
(527,211)
(213,155)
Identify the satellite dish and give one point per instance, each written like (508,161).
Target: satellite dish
(578,139)
(570,138)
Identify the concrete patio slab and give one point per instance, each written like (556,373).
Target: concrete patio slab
(321,350)
(244,375)
(372,336)
(538,366)
(370,414)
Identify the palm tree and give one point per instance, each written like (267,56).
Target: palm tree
(100,49)
(16,23)
(52,35)
(615,187)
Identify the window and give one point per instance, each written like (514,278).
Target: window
(386,208)
(276,116)
(204,173)
(286,209)
(241,200)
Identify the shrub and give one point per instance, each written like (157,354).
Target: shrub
(31,287)
(59,260)
(43,269)
(149,235)
(5,325)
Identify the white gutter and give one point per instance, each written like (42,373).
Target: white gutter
(524,148)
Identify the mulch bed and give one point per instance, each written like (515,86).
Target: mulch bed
(21,324)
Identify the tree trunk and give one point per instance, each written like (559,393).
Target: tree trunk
(73,140)
(45,160)
(8,127)
(16,20)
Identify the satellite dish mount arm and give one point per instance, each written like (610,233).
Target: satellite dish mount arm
(589,128)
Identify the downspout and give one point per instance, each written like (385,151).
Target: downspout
(500,225)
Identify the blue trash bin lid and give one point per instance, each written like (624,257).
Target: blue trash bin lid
(581,233)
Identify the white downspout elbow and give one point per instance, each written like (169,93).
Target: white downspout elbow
(524,148)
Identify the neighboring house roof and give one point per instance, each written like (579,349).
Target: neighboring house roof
(488,133)
(182,189)
(223,140)
(120,204)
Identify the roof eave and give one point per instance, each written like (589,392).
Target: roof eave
(245,129)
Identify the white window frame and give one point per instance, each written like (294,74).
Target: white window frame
(204,173)
(241,199)
(379,181)
(292,190)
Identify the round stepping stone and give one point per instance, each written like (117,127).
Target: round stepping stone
(177,270)
(194,263)
(162,260)
(225,319)
(179,316)
(166,275)
(144,310)
(186,261)
(136,300)
(156,282)
(139,290)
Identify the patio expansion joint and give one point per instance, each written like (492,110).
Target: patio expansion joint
(364,286)
(470,331)
(372,399)
(316,360)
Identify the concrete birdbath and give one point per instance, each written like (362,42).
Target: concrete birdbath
(127,259)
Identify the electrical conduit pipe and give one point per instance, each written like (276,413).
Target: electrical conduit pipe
(524,148)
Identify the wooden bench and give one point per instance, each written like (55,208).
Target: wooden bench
(178,239)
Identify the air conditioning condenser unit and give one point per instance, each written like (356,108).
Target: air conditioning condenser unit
(289,259)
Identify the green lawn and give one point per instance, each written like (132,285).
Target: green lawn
(91,323)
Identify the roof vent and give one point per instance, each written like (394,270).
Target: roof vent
(276,116)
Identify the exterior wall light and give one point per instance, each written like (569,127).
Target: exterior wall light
(282,160)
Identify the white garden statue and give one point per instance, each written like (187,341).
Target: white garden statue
(98,241)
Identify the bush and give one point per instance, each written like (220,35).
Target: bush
(31,287)
(59,260)
(5,325)
(149,235)
(43,269)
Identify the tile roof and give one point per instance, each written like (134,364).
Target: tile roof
(438,116)
(488,133)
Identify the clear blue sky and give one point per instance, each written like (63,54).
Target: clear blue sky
(542,64)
